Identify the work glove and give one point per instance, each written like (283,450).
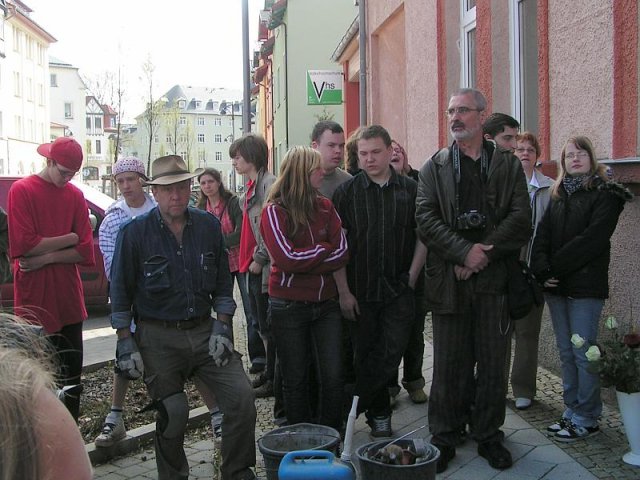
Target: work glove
(129,360)
(221,343)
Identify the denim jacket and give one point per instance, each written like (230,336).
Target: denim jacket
(161,279)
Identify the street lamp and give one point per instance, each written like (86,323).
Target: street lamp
(224,110)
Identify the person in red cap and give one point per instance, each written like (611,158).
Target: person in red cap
(49,236)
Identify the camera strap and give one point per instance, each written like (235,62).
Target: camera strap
(484,167)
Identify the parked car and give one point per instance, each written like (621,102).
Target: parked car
(94,281)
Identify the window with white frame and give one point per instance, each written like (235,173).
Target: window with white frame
(217,122)
(168,138)
(29,91)
(217,138)
(53,80)
(198,104)
(201,138)
(156,139)
(202,157)
(40,94)
(182,120)
(68,110)
(182,138)
(184,156)
(218,156)
(468,43)
(40,54)
(17,84)
(98,147)
(98,123)
(524,63)
(17,40)
(201,121)
(182,103)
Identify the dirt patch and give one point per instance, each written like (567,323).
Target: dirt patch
(95,403)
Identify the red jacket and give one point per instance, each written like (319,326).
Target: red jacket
(302,267)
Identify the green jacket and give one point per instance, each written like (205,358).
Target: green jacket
(507,200)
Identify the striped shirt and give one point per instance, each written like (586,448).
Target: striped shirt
(380,225)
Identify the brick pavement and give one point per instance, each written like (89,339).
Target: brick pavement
(535,455)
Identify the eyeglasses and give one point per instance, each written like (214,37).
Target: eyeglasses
(528,150)
(573,155)
(68,174)
(461,111)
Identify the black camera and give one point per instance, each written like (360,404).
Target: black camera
(471,220)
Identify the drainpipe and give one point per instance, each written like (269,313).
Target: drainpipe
(286,85)
(246,76)
(362,37)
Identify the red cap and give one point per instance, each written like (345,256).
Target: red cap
(65,151)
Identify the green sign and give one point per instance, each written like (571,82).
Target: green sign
(324,87)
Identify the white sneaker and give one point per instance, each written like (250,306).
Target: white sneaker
(523,403)
(111,433)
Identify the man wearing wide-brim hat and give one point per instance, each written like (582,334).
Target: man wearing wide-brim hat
(171,268)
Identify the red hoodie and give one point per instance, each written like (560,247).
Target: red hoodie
(302,267)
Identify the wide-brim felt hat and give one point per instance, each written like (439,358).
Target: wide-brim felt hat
(170,169)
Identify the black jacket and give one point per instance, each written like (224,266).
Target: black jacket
(572,242)
(508,202)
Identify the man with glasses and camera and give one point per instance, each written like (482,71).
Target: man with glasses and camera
(473,214)
(49,236)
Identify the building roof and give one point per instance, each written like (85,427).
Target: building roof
(349,35)
(210,98)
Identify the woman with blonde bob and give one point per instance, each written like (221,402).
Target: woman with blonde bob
(570,258)
(304,237)
(40,439)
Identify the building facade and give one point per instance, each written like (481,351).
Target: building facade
(299,37)
(24,89)
(197,123)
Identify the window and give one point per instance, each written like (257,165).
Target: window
(29,90)
(17,40)
(202,157)
(201,121)
(40,94)
(468,35)
(217,122)
(198,104)
(17,84)
(185,157)
(40,54)
(182,103)
(17,123)
(524,63)
(201,138)
(169,139)
(218,156)
(31,133)
(98,123)
(98,147)
(156,122)
(182,138)
(155,139)
(217,138)
(182,120)
(30,49)
(53,80)
(68,110)
(88,124)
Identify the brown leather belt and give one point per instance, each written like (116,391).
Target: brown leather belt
(184,324)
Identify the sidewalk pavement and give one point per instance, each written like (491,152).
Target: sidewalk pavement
(535,455)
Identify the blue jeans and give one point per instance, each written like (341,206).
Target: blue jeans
(581,388)
(309,333)
(255,346)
